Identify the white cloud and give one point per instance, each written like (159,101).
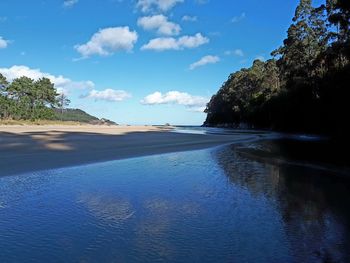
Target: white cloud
(189,18)
(205,61)
(70,3)
(197,109)
(176,97)
(159,23)
(170,43)
(108,95)
(3,43)
(156,5)
(63,91)
(236,52)
(108,41)
(239,18)
(262,58)
(61,83)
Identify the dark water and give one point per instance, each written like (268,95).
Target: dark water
(228,204)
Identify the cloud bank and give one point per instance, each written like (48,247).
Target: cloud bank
(194,103)
(170,43)
(159,23)
(107,41)
(108,95)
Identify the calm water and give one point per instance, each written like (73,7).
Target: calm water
(227,204)
(213,130)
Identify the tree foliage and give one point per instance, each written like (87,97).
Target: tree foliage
(304,88)
(27,99)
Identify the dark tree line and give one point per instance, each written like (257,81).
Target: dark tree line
(26,99)
(305,87)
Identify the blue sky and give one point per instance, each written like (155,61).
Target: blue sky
(139,61)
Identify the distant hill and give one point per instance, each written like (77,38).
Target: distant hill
(80,116)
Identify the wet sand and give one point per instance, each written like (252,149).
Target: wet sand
(32,148)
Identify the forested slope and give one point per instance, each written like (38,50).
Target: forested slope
(304,88)
(33,100)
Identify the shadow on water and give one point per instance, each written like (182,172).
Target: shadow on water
(314,203)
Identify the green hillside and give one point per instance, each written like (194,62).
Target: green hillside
(78,115)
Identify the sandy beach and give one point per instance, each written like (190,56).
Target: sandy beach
(32,148)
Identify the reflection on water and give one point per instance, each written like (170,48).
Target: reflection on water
(229,204)
(106,208)
(314,203)
(213,130)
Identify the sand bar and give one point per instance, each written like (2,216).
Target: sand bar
(31,148)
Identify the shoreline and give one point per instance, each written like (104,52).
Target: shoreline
(25,149)
(84,128)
